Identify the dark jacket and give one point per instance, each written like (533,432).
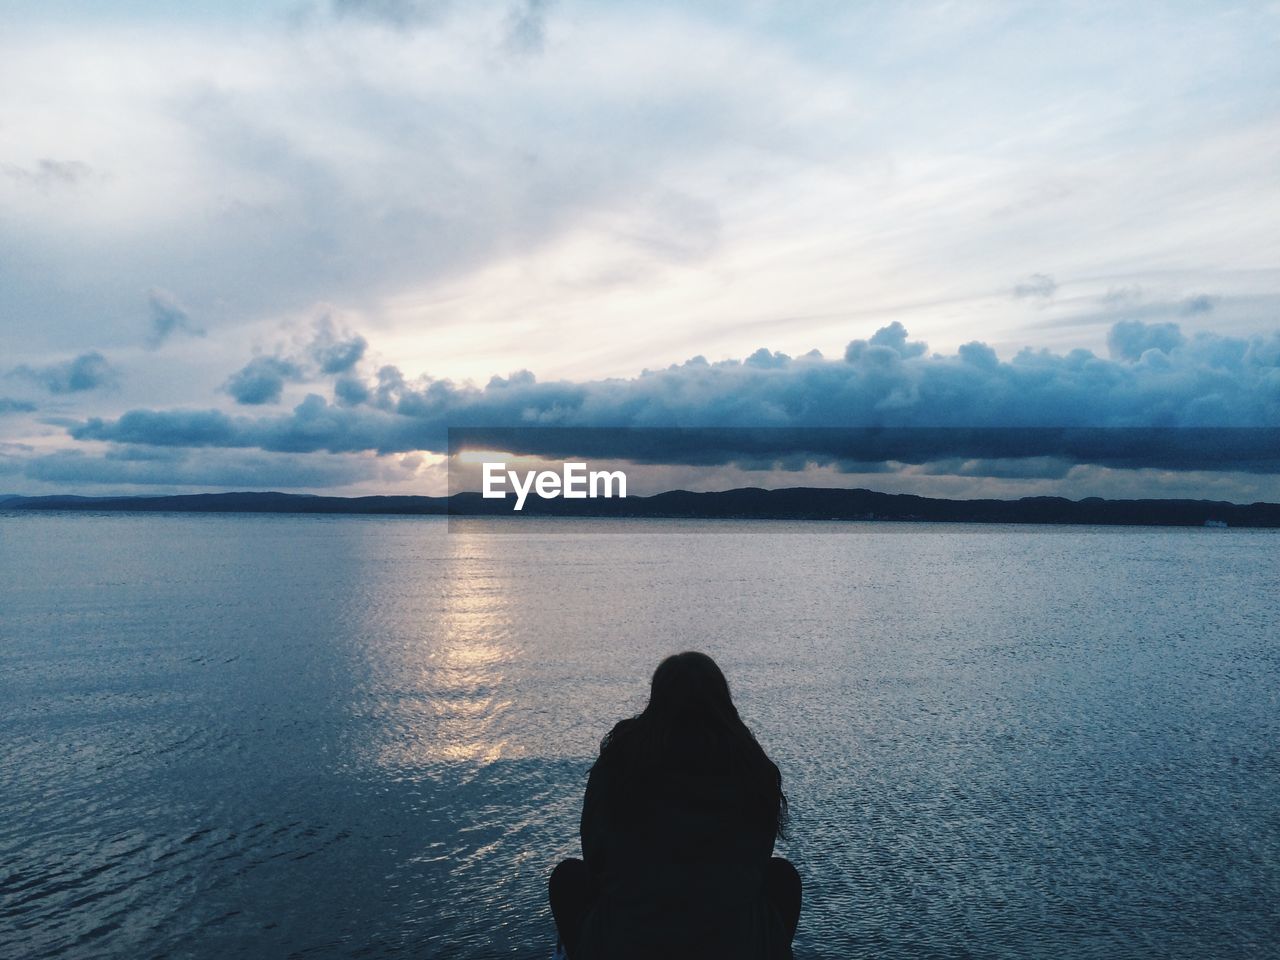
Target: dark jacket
(676,854)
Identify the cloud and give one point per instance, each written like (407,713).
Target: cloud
(261,380)
(1200,303)
(936,406)
(1122,296)
(762,358)
(10,405)
(891,340)
(48,173)
(401,14)
(89,371)
(523,28)
(168,316)
(527,26)
(1130,339)
(350,391)
(329,352)
(334,352)
(1038,286)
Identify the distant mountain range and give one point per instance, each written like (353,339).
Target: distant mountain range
(796,503)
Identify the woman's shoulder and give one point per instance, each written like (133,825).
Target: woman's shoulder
(615,745)
(619,735)
(623,725)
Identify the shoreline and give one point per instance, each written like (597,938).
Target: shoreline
(796,503)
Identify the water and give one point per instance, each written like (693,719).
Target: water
(271,736)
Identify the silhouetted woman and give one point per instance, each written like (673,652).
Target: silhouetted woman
(678,823)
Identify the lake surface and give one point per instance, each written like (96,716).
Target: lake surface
(271,736)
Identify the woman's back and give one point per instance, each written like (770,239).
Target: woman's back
(678,824)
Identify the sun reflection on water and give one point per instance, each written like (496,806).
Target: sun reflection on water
(444,690)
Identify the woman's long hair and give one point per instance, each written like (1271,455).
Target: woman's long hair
(691,724)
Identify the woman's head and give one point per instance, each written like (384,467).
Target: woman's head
(689,686)
(690,724)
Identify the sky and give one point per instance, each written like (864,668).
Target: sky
(286,246)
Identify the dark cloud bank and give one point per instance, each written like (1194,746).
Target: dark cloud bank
(1156,377)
